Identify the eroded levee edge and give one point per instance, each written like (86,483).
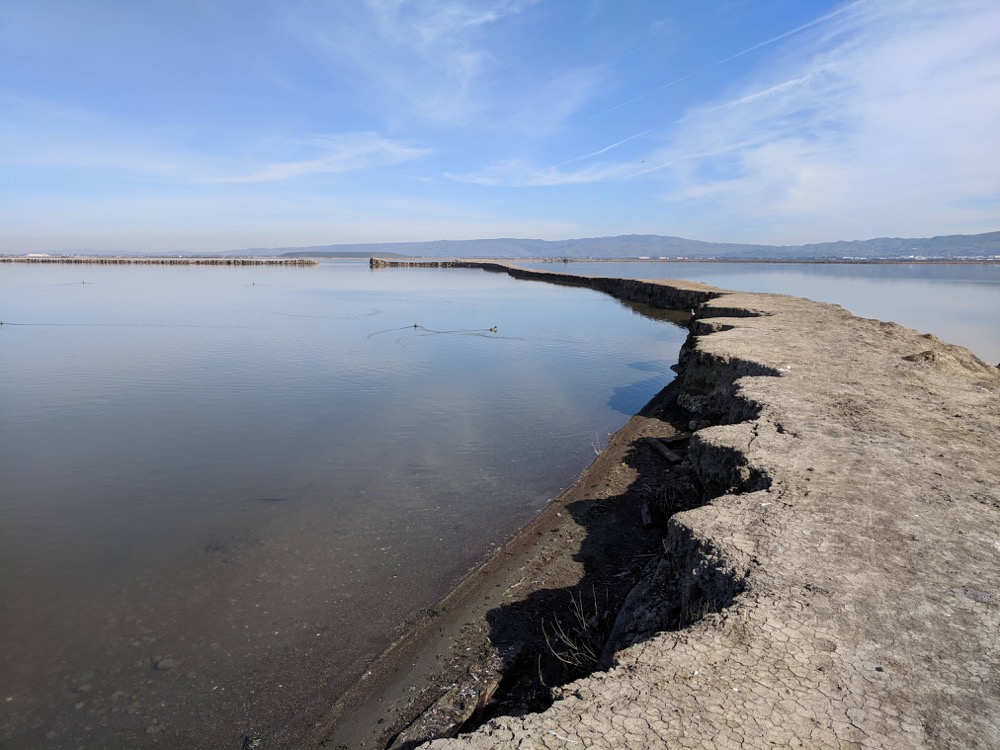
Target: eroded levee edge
(856,533)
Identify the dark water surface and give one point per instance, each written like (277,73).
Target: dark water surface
(222,490)
(958,302)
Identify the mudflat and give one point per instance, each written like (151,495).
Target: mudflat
(829,571)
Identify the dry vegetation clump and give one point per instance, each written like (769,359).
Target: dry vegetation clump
(578,644)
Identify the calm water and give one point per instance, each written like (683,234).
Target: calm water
(959,303)
(252,477)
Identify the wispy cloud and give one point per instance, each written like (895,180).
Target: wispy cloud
(874,117)
(521,173)
(346,152)
(542,106)
(426,58)
(41,133)
(890,116)
(56,136)
(730,58)
(879,114)
(450,62)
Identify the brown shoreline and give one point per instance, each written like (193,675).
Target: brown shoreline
(790,261)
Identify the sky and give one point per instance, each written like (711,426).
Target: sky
(213,125)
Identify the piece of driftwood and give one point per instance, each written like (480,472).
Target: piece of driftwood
(663,450)
(463,703)
(446,715)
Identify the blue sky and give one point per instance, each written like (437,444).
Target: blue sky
(210,125)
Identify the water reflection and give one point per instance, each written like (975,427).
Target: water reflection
(228,483)
(629,398)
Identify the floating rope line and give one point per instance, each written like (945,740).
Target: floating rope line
(327,317)
(127,325)
(300,315)
(431,331)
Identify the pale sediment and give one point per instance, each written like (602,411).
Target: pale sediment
(843,581)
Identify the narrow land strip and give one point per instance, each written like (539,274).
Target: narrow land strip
(130,260)
(838,583)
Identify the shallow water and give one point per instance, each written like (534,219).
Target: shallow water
(253,476)
(958,302)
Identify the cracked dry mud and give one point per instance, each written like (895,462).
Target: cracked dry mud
(855,531)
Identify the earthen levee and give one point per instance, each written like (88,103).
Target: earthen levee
(848,567)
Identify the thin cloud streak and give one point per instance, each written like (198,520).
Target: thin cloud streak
(604,150)
(57,137)
(891,116)
(342,153)
(886,118)
(519,173)
(741,53)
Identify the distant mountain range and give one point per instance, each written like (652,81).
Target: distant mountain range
(952,247)
(630,246)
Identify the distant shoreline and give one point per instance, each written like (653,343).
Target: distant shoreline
(772,261)
(138,260)
(303,260)
(797,261)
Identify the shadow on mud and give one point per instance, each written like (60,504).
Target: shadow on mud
(554,636)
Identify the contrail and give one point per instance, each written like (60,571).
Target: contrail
(746,51)
(601,150)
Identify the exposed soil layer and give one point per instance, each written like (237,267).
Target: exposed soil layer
(837,585)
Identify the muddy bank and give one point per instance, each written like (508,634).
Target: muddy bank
(838,584)
(485,649)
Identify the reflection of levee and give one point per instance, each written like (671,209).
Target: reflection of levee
(382,263)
